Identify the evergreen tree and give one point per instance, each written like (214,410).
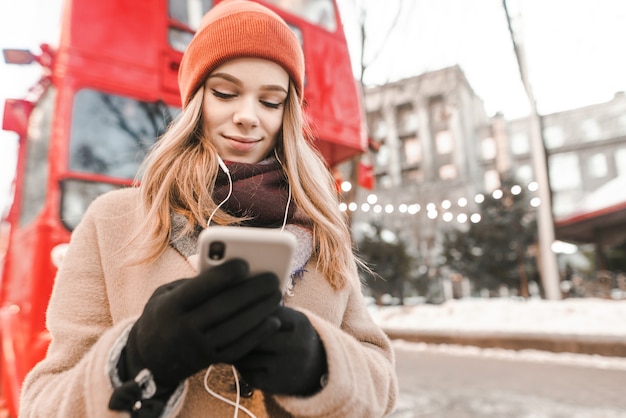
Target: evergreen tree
(495,251)
(390,262)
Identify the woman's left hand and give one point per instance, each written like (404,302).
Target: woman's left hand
(291,361)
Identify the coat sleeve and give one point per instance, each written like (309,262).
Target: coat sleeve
(362,380)
(72,380)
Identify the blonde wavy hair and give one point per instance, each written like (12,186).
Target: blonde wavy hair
(179,173)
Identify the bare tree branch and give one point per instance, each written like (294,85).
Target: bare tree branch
(388,34)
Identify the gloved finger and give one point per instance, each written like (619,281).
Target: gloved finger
(261,289)
(257,361)
(290,318)
(168,287)
(278,342)
(230,328)
(237,349)
(210,282)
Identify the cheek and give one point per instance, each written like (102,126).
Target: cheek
(210,116)
(206,115)
(274,123)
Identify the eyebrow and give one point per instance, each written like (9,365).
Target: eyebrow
(236,81)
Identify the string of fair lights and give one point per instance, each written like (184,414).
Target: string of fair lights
(432,209)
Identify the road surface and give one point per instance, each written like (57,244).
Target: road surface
(444,385)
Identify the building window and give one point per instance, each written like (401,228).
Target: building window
(382,156)
(564,203)
(519,143)
(379,128)
(621,123)
(564,171)
(554,137)
(489,148)
(620,161)
(414,175)
(438,113)
(597,166)
(524,173)
(447,172)
(412,150)
(445,142)
(492,180)
(407,118)
(590,130)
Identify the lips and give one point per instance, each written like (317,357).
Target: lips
(242,143)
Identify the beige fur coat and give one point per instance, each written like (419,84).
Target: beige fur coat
(97,296)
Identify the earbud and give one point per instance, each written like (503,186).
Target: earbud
(222,164)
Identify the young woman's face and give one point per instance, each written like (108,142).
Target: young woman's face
(243,106)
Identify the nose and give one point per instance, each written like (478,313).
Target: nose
(246,115)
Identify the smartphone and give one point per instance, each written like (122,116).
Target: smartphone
(265,250)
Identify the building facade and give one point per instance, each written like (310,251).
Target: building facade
(438,151)
(429,166)
(585,147)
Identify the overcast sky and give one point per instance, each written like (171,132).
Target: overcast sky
(574,48)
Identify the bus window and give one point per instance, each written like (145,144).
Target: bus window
(187,15)
(37,166)
(318,12)
(111,134)
(178,39)
(76,195)
(189,12)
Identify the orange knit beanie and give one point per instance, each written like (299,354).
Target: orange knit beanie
(235,29)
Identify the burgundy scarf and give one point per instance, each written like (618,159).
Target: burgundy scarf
(260,192)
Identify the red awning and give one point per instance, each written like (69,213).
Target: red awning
(600,217)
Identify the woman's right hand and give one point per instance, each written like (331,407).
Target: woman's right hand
(216,317)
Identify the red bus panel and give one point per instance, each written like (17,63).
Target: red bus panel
(117,61)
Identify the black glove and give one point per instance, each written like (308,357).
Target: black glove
(291,361)
(215,317)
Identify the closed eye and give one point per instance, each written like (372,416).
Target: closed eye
(271,105)
(221,95)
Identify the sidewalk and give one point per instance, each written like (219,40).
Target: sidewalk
(582,326)
(557,343)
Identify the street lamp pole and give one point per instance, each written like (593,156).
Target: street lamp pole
(545,222)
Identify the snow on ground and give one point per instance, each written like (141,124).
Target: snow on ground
(573,359)
(592,317)
(585,316)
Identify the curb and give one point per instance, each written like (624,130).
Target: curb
(610,346)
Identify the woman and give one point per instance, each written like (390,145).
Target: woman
(129,335)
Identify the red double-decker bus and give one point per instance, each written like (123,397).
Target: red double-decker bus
(108,90)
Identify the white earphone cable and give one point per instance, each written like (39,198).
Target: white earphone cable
(230,189)
(230,192)
(228,401)
(236,403)
(288,198)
